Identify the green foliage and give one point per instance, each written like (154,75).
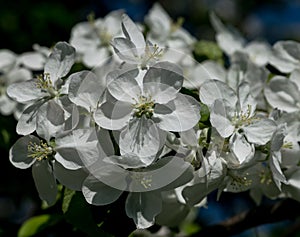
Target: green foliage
(36,224)
(204,49)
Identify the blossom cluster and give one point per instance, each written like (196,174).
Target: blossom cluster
(145,118)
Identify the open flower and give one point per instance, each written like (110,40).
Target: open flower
(92,39)
(43,94)
(166,33)
(10,72)
(144,108)
(107,181)
(133,49)
(232,114)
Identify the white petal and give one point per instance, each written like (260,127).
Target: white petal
(45,182)
(283,94)
(214,89)
(125,88)
(85,89)
(241,149)
(229,41)
(220,118)
(126,50)
(50,120)
(25,92)
(143,207)
(18,153)
(178,115)
(60,61)
(254,133)
(7,106)
(7,60)
(95,57)
(98,193)
(27,121)
(277,173)
(79,147)
(72,179)
(132,32)
(33,60)
(113,114)
(18,75)
(259,52)
(162,82)
(189,137)
(245,99)
(159,23)
(141,139)
(294,77)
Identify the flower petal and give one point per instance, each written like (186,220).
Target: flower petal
(283,94)
(242,150)
(72,179)
(132,32)
(45,182)
(98,193)
(143,207)
(60,61)
(162,82)
(254,133)
(214,89)
(220,118)
(27,120)
(125,87)
(179,115)
(78,148)
(50,120)
(18,153)
(26,91)
(113,114)
(85,89)
(33,60)
(142,140)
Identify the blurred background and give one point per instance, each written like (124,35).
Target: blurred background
(25,22)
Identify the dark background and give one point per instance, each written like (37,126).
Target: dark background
(23,23)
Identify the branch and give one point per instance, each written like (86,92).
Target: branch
(282,210)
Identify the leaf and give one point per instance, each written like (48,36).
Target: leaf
(208,50)
(74,208)
(36,224)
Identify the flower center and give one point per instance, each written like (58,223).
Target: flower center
(152,53)
(43,81)
(45,84)
(243,118)
(39,151)
(144,106)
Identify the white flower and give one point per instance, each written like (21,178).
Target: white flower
(133,49)
(284,93)
(286,56)
(166,33)
(233,115)
(230,41)
(43,94)
(275,158)
(107,182)
(92,39)
(145,110)
(10,72)
(30,151)
(35,60)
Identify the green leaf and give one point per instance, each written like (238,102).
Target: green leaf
(204,49)
(36,224)
(78,213)
(204,112)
